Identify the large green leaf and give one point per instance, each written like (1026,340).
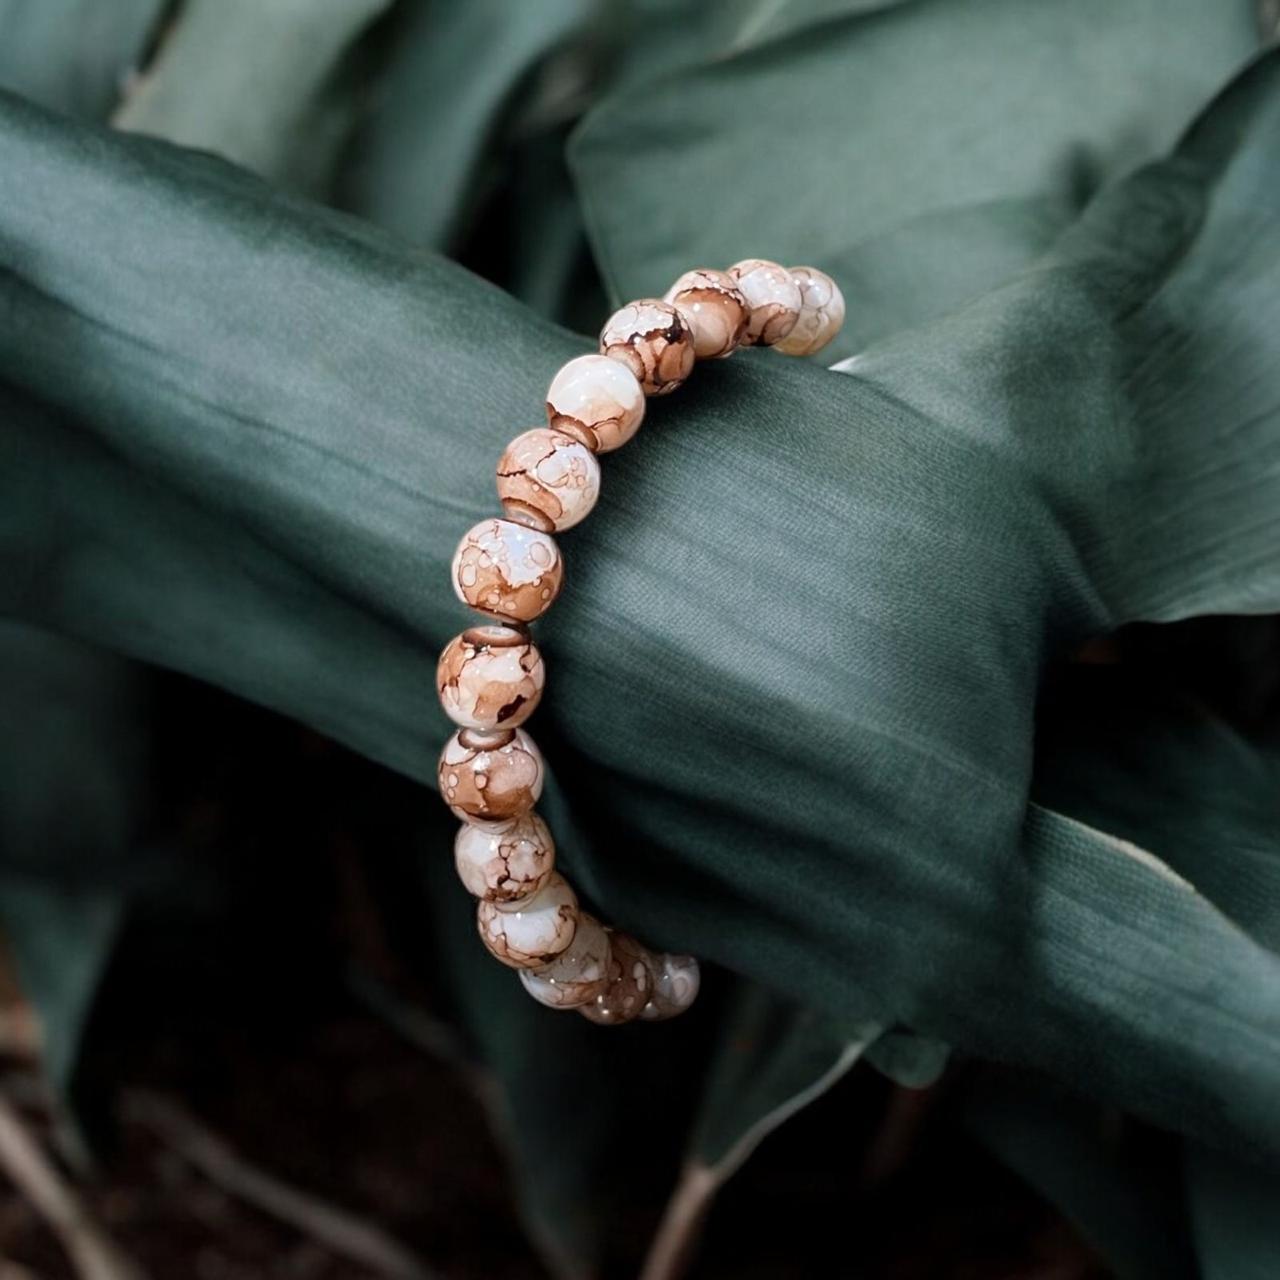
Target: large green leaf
(921,152)
(255,82)
(74,55)
(276,421)
(452,74)
(1159,773)
(74,799)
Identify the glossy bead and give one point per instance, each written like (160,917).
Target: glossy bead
(676,980)
(490,777)
(596,400)
(578,974)
(630,983)
(821,313)
(774,298)
(548,480)
(653,340)
(529,934)
(714,309)
(507,570)
(503,865)
(490,678)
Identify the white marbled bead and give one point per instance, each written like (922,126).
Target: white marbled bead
(774,297)
(630,983)
(505,864)
(530,933)
(596,400)
(490,678)
(578,974)
(653,340)
(507,570)
(714,308)
(676,980)
(491,777)
(548,480)
(821,313)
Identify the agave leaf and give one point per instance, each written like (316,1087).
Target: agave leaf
(74,55)
(74,795)
(61,939)
(1163,774)
(920,152)
(772,1060)
(1233,1216)
(247,80)
(453,72)
(1123,1195)
(262,473)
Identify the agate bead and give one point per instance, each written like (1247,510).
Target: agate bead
(578,974)
(548,480)
(714,308)
(821,313)
(490,777)
(505,864)
(654,341)
(507,570)
(530,933)
(630,983)
(490,677)
(676,980)
(596,400)
(774,298)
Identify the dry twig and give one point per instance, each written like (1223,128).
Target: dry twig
(338,1230)
(93,1253)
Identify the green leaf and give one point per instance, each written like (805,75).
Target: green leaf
(1122,1192)
(74,55)
(921,152)
(772,1060)
(61,940)
(248,80)
(263,427)
(1233,1216)
(911,1060)
(74,797)
(454,72)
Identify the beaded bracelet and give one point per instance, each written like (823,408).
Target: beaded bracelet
(490,678)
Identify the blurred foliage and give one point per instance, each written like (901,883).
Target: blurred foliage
(243,431)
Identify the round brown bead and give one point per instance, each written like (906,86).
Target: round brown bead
(529,934)
(507,570)
(654,341)
(490,678)
(715,309)
(548,480)
(596,400)
(630,983)
(774,297)
(505,864)
(490,777)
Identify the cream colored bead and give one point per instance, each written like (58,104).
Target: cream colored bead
(596,400)
(529,934)
(774,298)
(653,340)
(491,777)
(507,570)
(676,980)
(506,864)
(630,983)
(548,480)
(490,678)
(714,308)
(821,313)
(578,974)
